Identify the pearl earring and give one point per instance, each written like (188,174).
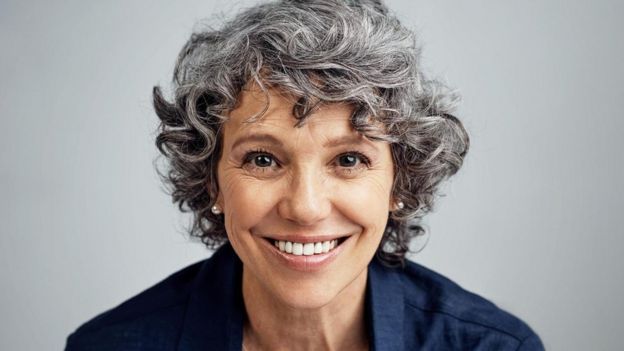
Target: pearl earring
(215,210)
(400,205)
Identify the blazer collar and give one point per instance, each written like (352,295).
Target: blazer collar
(215,312)
(385,307)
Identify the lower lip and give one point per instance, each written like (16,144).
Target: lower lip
(311,263)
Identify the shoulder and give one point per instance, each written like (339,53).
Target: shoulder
(449,316)
(150,320)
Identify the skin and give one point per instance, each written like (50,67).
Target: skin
(308,187)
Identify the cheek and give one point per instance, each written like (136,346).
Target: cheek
(243,207)
(366,203)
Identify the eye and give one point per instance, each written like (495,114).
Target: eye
(263,161)
(347,160)
(259,160)
(353,160)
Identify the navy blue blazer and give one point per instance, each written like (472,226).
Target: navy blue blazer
(201,308)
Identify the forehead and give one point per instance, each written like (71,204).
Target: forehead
(330,119)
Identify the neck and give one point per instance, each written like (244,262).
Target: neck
(272,325)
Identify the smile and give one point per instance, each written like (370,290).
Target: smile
(305,253)
(306,249)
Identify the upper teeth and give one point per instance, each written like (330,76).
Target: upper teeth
(306,249)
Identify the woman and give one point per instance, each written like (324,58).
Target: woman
(307,144)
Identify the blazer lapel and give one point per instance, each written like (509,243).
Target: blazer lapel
(215,312)
(385,307)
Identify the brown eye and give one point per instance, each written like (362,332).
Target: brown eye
(348,160)
(263,161)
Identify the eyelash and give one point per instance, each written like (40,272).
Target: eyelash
(364,162)
(250,155)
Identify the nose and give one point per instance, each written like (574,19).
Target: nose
(306,200)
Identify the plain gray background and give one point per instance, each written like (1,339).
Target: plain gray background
(531,222)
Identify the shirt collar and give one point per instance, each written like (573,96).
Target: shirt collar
(215,312)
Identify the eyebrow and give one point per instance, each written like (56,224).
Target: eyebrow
(270,139)
(261,137)
(345,140)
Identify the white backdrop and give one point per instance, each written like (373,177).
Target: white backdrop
(531,222)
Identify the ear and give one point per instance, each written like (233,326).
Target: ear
(396,205)
(392,205)
(219,200)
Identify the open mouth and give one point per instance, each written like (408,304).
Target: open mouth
(306,249)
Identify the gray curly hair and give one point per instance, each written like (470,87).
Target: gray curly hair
(319,51)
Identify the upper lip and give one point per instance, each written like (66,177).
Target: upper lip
(305,238)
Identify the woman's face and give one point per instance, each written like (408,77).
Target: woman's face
(289,195)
